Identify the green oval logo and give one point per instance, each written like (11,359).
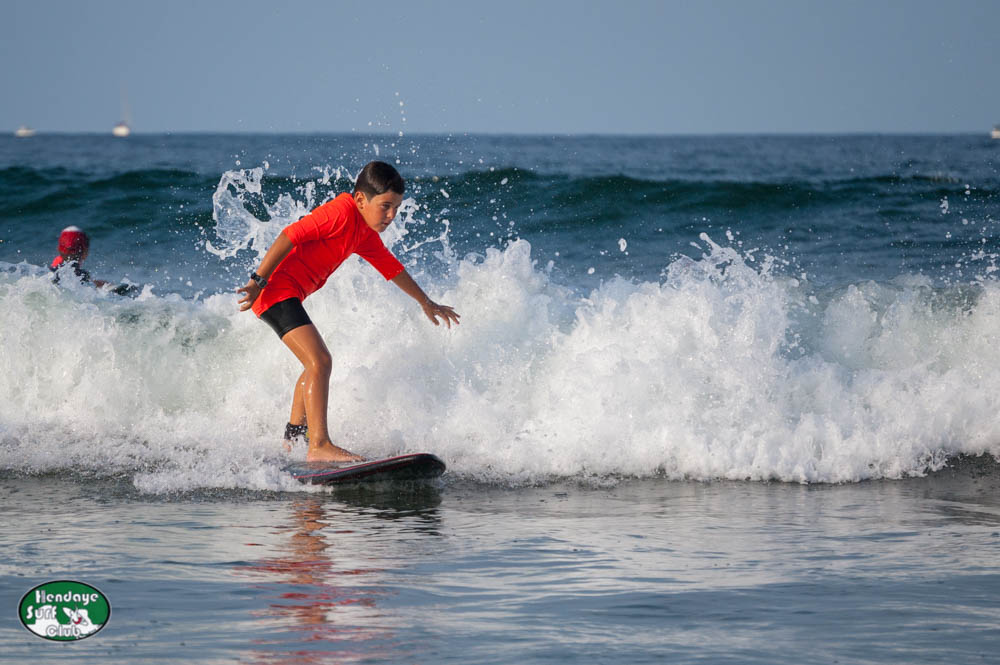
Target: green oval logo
(64,611)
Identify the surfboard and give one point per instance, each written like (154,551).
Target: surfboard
(418,466)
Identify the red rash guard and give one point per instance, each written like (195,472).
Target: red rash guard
(322,240)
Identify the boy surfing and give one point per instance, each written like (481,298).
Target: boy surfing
(299,262)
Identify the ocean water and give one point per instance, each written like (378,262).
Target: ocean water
(713,399)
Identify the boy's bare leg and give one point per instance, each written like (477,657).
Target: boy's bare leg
(308,346)
(298,415)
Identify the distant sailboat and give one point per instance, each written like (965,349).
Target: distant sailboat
(996,132)
(24,132)
(122,129)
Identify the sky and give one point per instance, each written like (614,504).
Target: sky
(550,67)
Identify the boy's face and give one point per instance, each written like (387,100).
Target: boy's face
(378,211)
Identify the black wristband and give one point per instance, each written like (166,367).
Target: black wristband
(260,281)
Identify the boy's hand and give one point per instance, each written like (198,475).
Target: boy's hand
(434,310)
(431,308)
(252,291)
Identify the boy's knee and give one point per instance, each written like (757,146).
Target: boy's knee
(323,363)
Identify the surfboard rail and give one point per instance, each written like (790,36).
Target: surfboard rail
(414,466)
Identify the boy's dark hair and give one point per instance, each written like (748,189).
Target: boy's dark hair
(378,178)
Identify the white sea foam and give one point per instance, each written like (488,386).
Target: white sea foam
(723,369)
(720,371)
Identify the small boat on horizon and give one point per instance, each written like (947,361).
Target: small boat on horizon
(24,132)
(121,130)
(996,132)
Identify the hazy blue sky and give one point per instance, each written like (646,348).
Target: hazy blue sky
(515,66)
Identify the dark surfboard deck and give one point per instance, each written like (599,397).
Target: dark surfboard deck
(418,466)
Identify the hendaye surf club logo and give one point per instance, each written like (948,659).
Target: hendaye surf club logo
(64,611)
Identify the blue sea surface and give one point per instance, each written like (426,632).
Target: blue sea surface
(646,571)
(718,399)
(843,208)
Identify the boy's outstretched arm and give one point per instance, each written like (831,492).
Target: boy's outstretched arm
(275,255)
(431,308)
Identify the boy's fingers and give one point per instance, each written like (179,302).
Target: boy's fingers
(447,314)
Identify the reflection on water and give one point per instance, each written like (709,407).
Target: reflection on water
(325,578)
(638,571)
(966,492)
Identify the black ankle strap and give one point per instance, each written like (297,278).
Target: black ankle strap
(293,431)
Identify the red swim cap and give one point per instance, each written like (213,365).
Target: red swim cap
(73,241)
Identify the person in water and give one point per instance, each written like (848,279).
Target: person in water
(74,246)
(299,262)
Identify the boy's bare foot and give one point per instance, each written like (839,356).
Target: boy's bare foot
(327,452)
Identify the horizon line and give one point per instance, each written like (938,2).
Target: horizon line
(395,134)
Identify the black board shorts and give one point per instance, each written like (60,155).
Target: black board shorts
(285,316)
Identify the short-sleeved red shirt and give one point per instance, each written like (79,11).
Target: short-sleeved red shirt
(322,240)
